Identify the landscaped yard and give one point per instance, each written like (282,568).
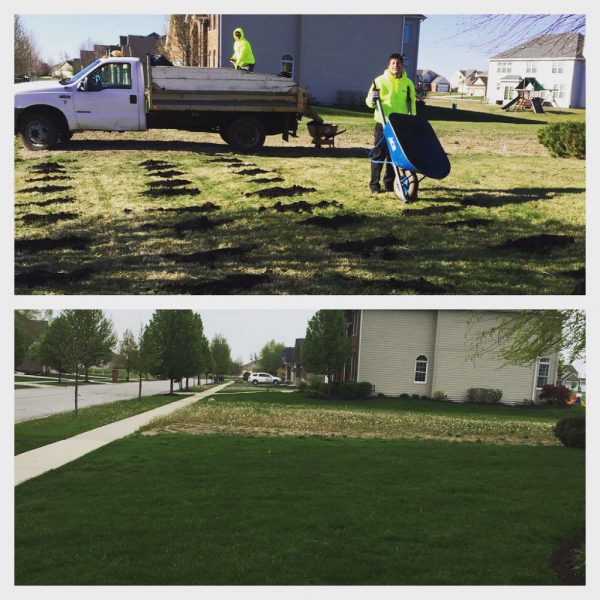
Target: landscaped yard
(312,492)
(168,212)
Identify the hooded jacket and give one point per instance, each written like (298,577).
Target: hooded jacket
(397,95)
(242,50)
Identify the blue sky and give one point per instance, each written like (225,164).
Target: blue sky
(443,47)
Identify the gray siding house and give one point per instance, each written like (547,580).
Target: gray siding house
(335,56)
(424,351)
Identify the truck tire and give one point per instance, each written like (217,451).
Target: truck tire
(246,134)
(39,132)
(223,135)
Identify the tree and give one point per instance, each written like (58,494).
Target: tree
(53,347)
(22,341)
(520,337)
(27,333)
(326,347)
(129,352)
(501,31)
(26,54)
(221,355)
(271,356)
(207,364)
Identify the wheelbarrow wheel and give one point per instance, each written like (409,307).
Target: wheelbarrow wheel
(406,185)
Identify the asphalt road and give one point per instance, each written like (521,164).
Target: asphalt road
(41,402)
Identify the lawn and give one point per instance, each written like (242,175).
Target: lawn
(93,217)
(209,510)
(297,414)
(39,432)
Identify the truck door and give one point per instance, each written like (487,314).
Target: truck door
(107,99)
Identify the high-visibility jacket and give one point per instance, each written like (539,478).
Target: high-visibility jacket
(242,50)
(397,95)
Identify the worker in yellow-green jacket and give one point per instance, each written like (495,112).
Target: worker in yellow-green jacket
(242,52)
(397,94)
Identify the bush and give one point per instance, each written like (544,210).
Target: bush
(485,395)
(302,386)
(246,375)
(414,396)
(351,390)
(404,396)
(571,432)
(555,395)
(564,139)
(439,395)
(424,398)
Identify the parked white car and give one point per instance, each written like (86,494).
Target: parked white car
(257,378)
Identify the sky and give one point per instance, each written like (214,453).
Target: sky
(442,46)
(246,331)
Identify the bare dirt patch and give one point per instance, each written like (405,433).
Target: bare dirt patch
(564,559)
(278,191)
(543,242)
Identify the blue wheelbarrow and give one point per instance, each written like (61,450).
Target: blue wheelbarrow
(414,150)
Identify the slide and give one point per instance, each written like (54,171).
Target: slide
(510,103)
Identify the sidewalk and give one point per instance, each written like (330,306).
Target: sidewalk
(35,462)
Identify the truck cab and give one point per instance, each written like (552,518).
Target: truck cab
(108,95)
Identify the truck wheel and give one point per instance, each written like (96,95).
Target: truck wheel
(39,132)
(64,135)
(246,134)
(223,135)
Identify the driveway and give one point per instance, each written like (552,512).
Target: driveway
(41,402)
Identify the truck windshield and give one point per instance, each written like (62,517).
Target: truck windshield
(75,77)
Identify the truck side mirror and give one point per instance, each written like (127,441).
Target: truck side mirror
(83,84)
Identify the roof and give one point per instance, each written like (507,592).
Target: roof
(288,355)
(555,45)
(440,79)
(530,81)
(140,45)
(480,80)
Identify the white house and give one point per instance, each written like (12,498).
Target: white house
(460,79)
(556,61)
(424,351)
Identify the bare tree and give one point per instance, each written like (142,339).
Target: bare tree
(501,31)
(25,50)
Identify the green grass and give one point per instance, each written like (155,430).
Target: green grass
(280,414)
(39,432)
(19,386)
(209,510)
(500,173)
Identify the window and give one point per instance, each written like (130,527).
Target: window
(287,65)
(406,64)
(543,372)
(421,369)
(504,67)
(557,66)
(110,76)
(558,89)
(509,92)
(531,67)
(409,36)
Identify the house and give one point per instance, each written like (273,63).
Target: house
(426,351)
(556,61)
(66,69)
(294,373)
(440,84)
(459,79)
(424,78)
(572,379)
(476,85)
(129,45)
(335,56)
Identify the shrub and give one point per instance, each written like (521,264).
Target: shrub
(404,396)
(555,395)
(424,398)
(439,395)
(381,395)
(302,386)
(571,432)
(351,390)
(315,381)
(246,375)
(485,395)
(414,396)
(564,139)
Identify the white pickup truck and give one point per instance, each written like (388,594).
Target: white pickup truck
(113,94)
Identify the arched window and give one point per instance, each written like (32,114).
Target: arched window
(287,65)
(421,369)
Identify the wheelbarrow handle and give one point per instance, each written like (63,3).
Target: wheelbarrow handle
(378,103)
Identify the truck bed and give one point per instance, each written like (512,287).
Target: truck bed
(196,88)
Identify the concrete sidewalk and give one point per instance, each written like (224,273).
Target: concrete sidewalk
(35,462)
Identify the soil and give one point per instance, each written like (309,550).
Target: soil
(41,276)
(430,210)
(563,560)
(543,242)
(277,191)
(73,242)
(251,172)
(210,256)
(468,223)
(169,183)
(48,167)
(206,207)
(65,200)
(200,224)
(267,180)
(364,247)
(238,283)
(167,174)
(160,192)
(33,218)
(49,189)
(48,178)
(335,222)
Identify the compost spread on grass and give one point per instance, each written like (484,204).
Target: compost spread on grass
(543,242)
(206,207)
(72,242)
(365,247)
(48,189)
(430,210)
(468,223)
(335,222)
(34,218)
(239,282)
(168,183)
(210,256)
(64,200)
(48,178)
(43,276)
(278,191)
(48,167)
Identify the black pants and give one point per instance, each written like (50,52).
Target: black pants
(249,68)
(381,153)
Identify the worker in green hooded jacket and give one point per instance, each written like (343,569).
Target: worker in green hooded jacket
(242,52)
(397,94)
